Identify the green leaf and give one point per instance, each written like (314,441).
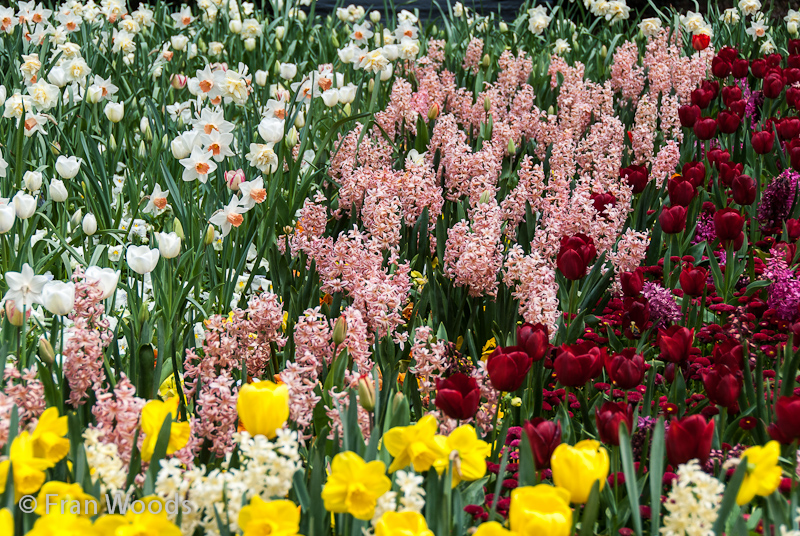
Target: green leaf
(527,465)
(630,477)
(159,452)
(729,497)
(590,511)
(656,474)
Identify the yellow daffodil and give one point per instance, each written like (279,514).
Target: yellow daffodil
(144,523)
(48,436)
(169,387)
(56,524)
(467,452)
(402,524)
(6,521)
(493,528)
(153,416)
(263,408)
(29,470)
(763,474)
(276,518)
(354,485)
(541,510)
(577,468)
(60,497)
(414,445)
(488,348)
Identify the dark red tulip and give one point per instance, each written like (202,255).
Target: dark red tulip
(689,115)
(702,98)
(728,122)
(793,229)
(763,141)
(695,172)
(626,369)
(793,97)
(777,434)
(793,148)
(729,353)
(675,343)
(773,86)
(793,61)
(739,68)
(774,59)
(534,339)
(507,368)
(759,68)
(681,191)
(723,385)
(731,94)
(608,418)
(729,171)
(792,75)
(744,190)
(728,54)
(458,396)
(700,41)
(787,251)
(544,436)
(705,128)
(689,439)
(728,224)
(672,219)
(602,201)
(720,68)
(788,128)
(576,254)
(787,416)
(636,318)
(578,363)
(793,46)
(693,281)
(632,282)
(738,107)
(636,177)
(717,156)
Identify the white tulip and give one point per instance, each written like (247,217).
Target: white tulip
(94,94)
(169,244)
(144,124)
(386,74)
(375,17)
(68,167)
(58,192)
(142,259)
(57,76)
(288,71)
(7,217)
(106,278)
(330,97)
(300,120)
(271,129)
(58,297)
(235,26)
(115,111)
(347,94)
(32,180)
(24,205)
(280,32)
(179,42)
(250,44)
(261,78)
(89,224)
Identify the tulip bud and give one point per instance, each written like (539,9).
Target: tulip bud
(503,27)
(375,17)
(485,197)
(397,401)
(144,314)
(603,52)
(112,142)
(76,218)
(371,85)
(144,128)
(46,352)
(291,138)
(235,26)
(347,109)
(487,104)
(209,238)
(433,112)
(334,41)
(114,111)
(339,330)
(89,224)
(177,228)
(13,314)
(250,44)
(278,46)
(366,393)
(300,121)
(261,78)
(142,150)
(551,110)
(512,148)
(487,61)
(280,32)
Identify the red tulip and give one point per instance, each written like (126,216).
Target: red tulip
(787,416)
(688,115)
(723,385)
(731,94)
(774,59)
(636,177)
(576,254)
(729,171)
(717,156)
(602,201)
(534,339)
(788,128)
(700,41)
(759,68)
(728,224)
(636,317)
(458,396)
(672,219)
(689,439)
(728,54)
(744,190)
(675,343)
(608,418)
(702,97)
(694,172)
(728,122)
(739,68)
(626,369)
(507,368)
(773,86)
(793,229)
(544,436)
(793,97)
(793,148)
(705,128)
(730,354)
(681,191)
(793,46)
(720,68)
(693,281)
(762,142)
(632,282)
(738,107)
(576,364)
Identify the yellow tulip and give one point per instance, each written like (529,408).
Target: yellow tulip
(66,524)
(144,523)
(577,468)
(470,462)
(60,497)
(763,475)
(276,518)
(6,521)
(263,408)
(153,416)
(493,528)
(29,470)
(414,445)
(402,524)
(354,485)
(48,437)
(541,510)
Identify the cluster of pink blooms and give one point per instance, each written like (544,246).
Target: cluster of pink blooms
(117,412)
(25,391)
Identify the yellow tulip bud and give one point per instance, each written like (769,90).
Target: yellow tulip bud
(178,228)
(433,112)
(543,510)
(209,238)
(263,408)
(46,352)
(366,393)
(339,330)
(577,468)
